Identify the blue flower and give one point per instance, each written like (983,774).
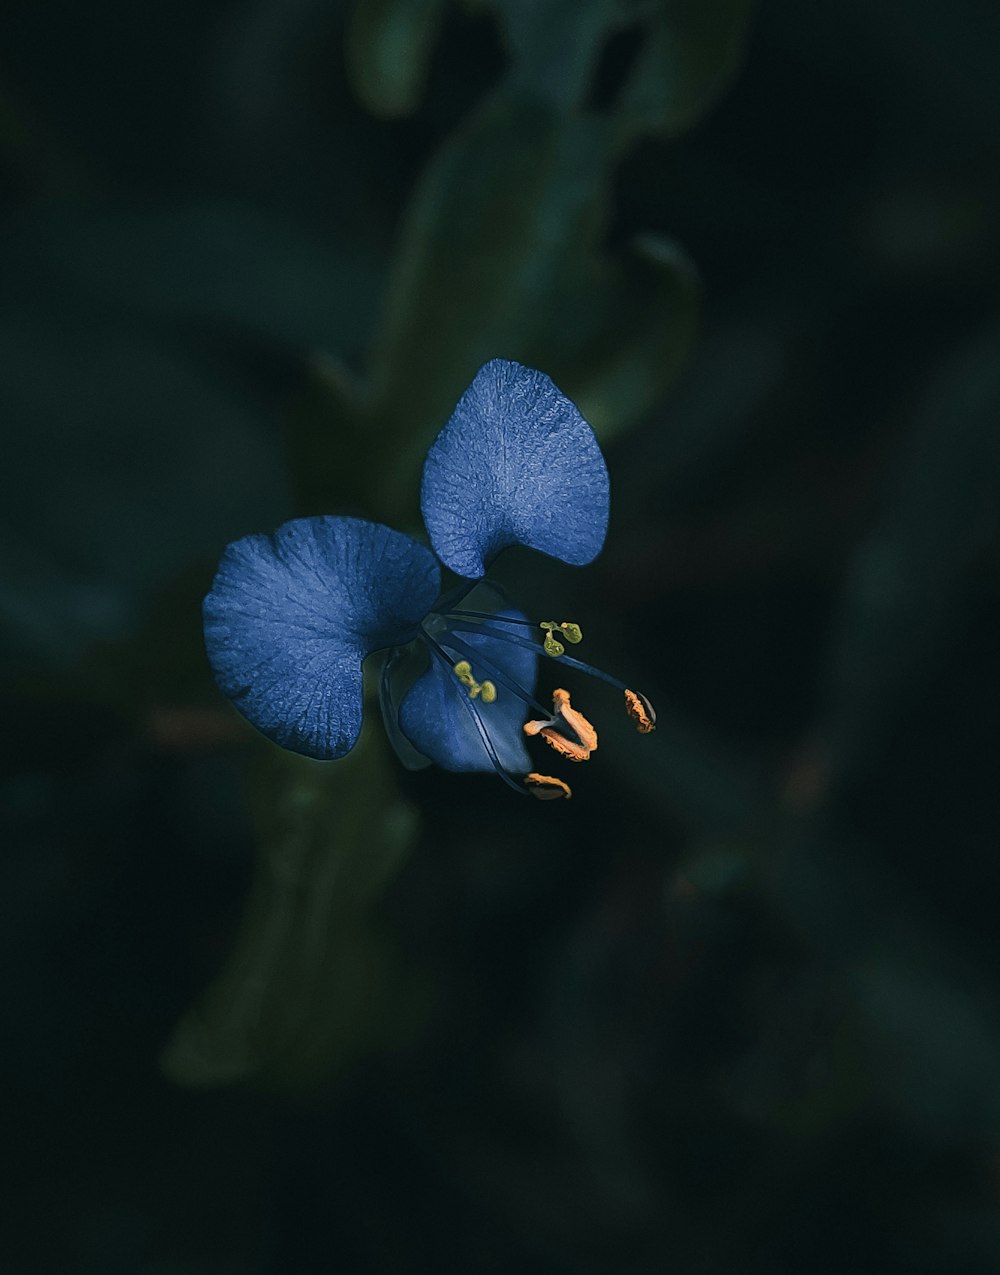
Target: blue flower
(292,616)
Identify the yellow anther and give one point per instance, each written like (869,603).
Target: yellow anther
(567,731)
(570,631)
(553,646)
(487,690)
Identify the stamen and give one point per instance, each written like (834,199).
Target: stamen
(498,765)
(491,615)
(553,646)
(547,787)
(544,787)
(463,671)
(641,711)
(567,661)
(497,673)
(565,718)
(637,705)
(565,730)
(570,631)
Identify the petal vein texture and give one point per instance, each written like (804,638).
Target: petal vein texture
(291,617)
(515,464)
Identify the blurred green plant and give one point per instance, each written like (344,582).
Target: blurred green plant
(304,990)
(500,253)
(501,250)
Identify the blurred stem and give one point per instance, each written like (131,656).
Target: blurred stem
(311,982)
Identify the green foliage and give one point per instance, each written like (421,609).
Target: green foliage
(389,46)
(501,248)
(692,53)
(312,983)
(500,252)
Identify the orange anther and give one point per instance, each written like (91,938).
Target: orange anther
(547,787)
(641,712)
(567,731)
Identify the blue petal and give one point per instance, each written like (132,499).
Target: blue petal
(516,464)
(291,617)
(439,725)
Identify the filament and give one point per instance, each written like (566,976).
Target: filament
(567,661)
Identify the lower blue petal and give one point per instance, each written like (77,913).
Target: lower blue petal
(436,714)
(515,464)
(291,617)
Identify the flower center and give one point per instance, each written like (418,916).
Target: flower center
(471,644)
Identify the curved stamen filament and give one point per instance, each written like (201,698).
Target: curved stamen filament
(490,615)
(567,661)
(570,630)
(638,706)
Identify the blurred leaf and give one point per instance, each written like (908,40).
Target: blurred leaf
(646,316)
(312,983)
(105,426)
(110,413)
(932,1026)
(499,251)
(911,577)
(507,203)
(735,372)
(688,51)
(220,263)
(49,613)
(554,45)
(389,44)
(690,56)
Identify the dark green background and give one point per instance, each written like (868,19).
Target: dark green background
(734,1008)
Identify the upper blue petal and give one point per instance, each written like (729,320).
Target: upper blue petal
(516,464)
(291,617)
(439,725)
